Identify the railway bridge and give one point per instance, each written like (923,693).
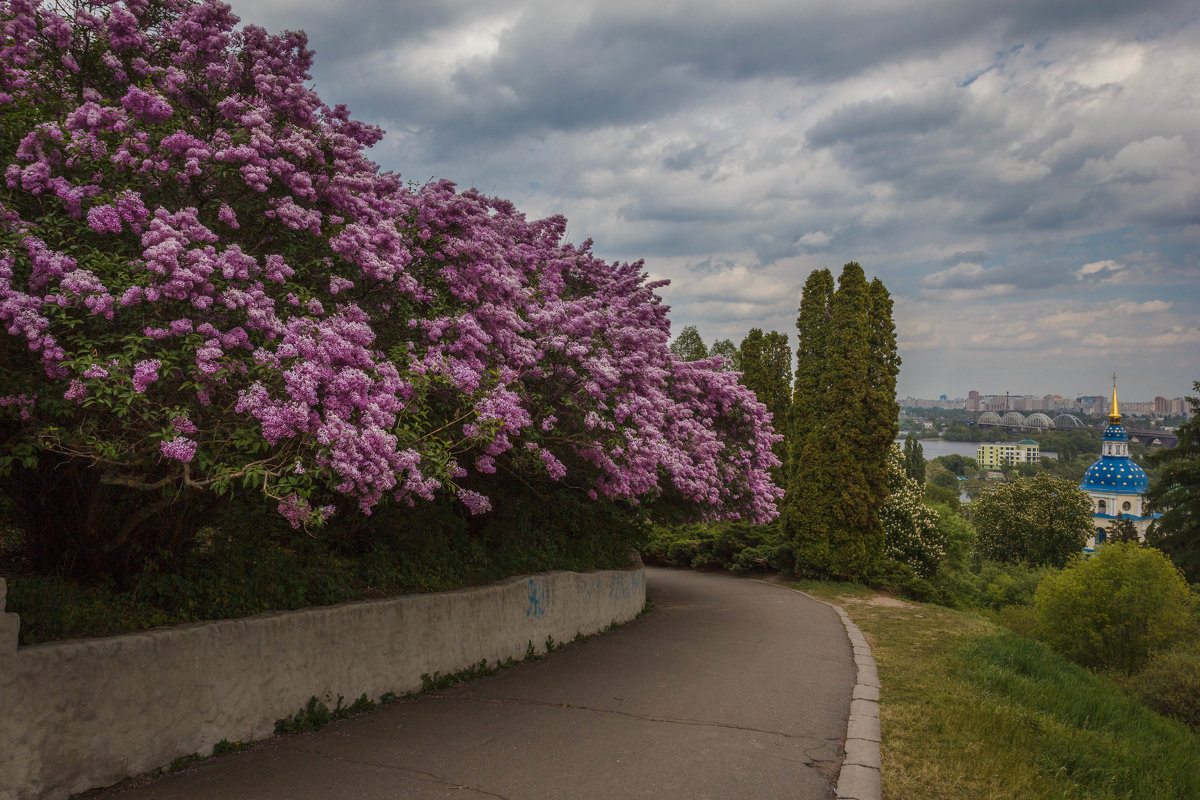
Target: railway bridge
(1016,421)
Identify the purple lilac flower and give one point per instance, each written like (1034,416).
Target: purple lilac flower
(474,501)
(77,391)
(145,373)
(503,320)
(104,219)
(227,215)
(180,448)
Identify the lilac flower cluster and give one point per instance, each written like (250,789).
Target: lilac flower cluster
(262,287)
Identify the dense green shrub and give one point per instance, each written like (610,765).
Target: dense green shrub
(958,535)
(1116,608)
(248,561)
(735,546)
(1170,684)
(900,578)
(1003,585)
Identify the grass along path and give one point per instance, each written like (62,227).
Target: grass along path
(970,709)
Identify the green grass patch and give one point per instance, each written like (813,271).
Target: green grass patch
(971,710)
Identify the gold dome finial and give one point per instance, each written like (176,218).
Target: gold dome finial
(1114,416)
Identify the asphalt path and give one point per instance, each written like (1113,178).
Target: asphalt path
(729,688)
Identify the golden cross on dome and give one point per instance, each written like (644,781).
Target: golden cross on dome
(1114,415)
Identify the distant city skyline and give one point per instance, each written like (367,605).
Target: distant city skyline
(1135,390)
(1123,397)
(1054,403)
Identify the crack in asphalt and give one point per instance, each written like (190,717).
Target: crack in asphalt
(633,715)
(417,773)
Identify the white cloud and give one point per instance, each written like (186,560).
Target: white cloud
(971,273)
(816,240)
(1148,307)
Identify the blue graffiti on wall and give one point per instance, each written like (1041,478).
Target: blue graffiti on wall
(623,585)
(539,598)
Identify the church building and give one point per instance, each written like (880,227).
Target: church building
(1115,482)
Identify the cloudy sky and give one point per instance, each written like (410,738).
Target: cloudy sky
(1023,175)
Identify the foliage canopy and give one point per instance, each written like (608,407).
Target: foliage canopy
(206,284)
(1032,521)
(1116,608)
(1175,491)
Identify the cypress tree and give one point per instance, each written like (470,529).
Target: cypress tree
(882,411)
(805,478)
(844,419)
(812,328)
(914,459)
(858,471)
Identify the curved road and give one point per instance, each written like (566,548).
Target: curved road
(729,688)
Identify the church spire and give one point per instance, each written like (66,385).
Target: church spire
(1114,416)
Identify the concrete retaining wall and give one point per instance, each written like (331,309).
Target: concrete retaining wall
(85,713)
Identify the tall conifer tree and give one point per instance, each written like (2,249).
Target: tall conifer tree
(812,328)
(805,477)
(844,420)
(883,412)
(914,459)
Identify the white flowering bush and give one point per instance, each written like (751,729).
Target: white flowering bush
(910,528)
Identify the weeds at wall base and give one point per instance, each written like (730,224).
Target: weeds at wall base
(316,715)
(183,762)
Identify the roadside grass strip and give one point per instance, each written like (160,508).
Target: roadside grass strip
(969,709)
(1081,726)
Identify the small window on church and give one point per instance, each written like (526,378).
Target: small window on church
(1126,506)
(1102,507)
(1100,535)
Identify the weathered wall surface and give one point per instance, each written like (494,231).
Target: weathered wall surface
(85,713)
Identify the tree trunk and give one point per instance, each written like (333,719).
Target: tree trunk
(84,530)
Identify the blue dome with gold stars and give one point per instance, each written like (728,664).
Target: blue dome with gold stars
(1115,474)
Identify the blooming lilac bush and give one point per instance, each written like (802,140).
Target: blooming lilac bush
(205,283)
